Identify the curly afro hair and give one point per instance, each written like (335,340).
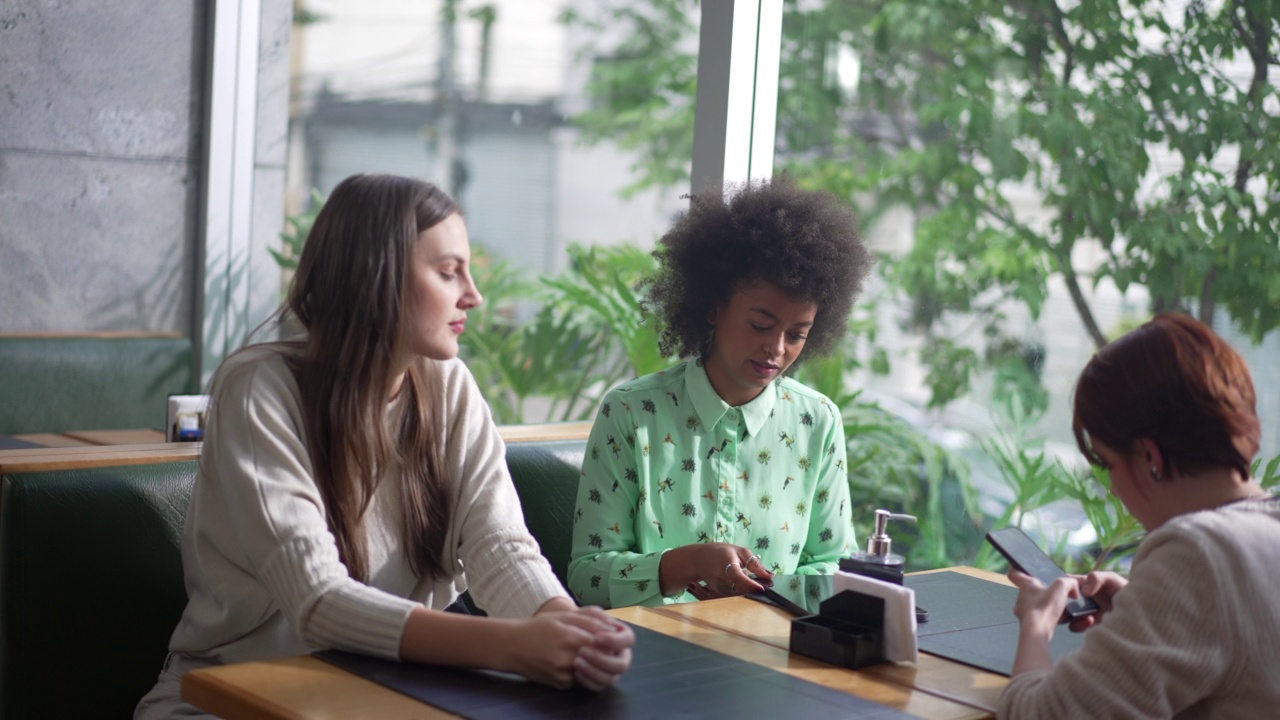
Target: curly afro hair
(804,241)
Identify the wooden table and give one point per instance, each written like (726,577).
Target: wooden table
(150,436)
(304,687)
(94,448)
(98,448)
(82,438)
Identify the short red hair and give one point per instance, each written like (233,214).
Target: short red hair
(1176,382)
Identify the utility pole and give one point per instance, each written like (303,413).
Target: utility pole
(487,15)
(449,172)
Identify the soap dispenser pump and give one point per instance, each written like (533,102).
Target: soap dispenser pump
(879,561)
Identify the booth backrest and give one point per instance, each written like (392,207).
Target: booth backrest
(546,478)
(91,574)
(52,383)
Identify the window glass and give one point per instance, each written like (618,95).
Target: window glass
(480,97)
(489,99)
(1040,180)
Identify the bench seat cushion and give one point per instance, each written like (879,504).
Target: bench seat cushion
(90,586)
(91,583)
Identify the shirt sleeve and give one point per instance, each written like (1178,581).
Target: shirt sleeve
(831,535)
(1161,649)
(259,464)
(505,570)
(606,567)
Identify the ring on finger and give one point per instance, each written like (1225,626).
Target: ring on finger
(728,569)
(754,559)
(733,587)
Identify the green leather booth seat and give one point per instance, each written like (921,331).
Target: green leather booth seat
(90,586)
(91,574)
(57,383)
(546,478)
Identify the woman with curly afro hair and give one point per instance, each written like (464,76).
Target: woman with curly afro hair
(707,479)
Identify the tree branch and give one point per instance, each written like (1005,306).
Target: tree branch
(1256,41)
(1068,47)
(1255,37)
(1241,32)
(1077,295)
(1208,304)
(1062,252)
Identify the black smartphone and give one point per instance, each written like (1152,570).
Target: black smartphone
(1026,556)
(769,596)
(803,594)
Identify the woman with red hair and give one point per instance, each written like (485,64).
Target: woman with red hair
(1169,411)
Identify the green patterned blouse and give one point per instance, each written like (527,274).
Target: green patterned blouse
(669,463)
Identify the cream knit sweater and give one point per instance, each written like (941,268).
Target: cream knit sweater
(262,571)
(1196,634)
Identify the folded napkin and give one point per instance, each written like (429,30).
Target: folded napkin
(899,612)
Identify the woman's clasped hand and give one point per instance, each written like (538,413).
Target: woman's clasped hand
(566,646)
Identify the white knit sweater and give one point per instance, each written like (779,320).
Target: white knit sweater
(1195,634)
(262,571)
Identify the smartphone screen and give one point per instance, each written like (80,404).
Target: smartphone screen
(1026,556)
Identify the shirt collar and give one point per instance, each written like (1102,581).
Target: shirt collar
(711,408)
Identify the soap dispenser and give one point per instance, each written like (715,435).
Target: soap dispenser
(879,561)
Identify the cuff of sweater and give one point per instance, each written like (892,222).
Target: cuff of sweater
(1014,694)
(509,577)
(361,619)
(328,610)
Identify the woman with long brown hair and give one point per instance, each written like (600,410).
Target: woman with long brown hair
(352,481)
(1169,410)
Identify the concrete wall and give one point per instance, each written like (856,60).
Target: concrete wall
(102,108)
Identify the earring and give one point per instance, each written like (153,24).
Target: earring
(1155,473)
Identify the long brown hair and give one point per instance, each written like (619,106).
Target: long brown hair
(349,292)
(1176,382)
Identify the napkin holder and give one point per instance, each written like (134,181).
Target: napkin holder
(847,631)
(186,418)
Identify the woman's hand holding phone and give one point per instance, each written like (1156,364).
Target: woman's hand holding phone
(1027,558)
(1102,586)
(713,570)
(1039,607)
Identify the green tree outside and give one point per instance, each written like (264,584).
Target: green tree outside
(958,101)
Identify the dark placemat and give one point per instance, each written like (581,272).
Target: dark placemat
(669,679)
(971,621)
